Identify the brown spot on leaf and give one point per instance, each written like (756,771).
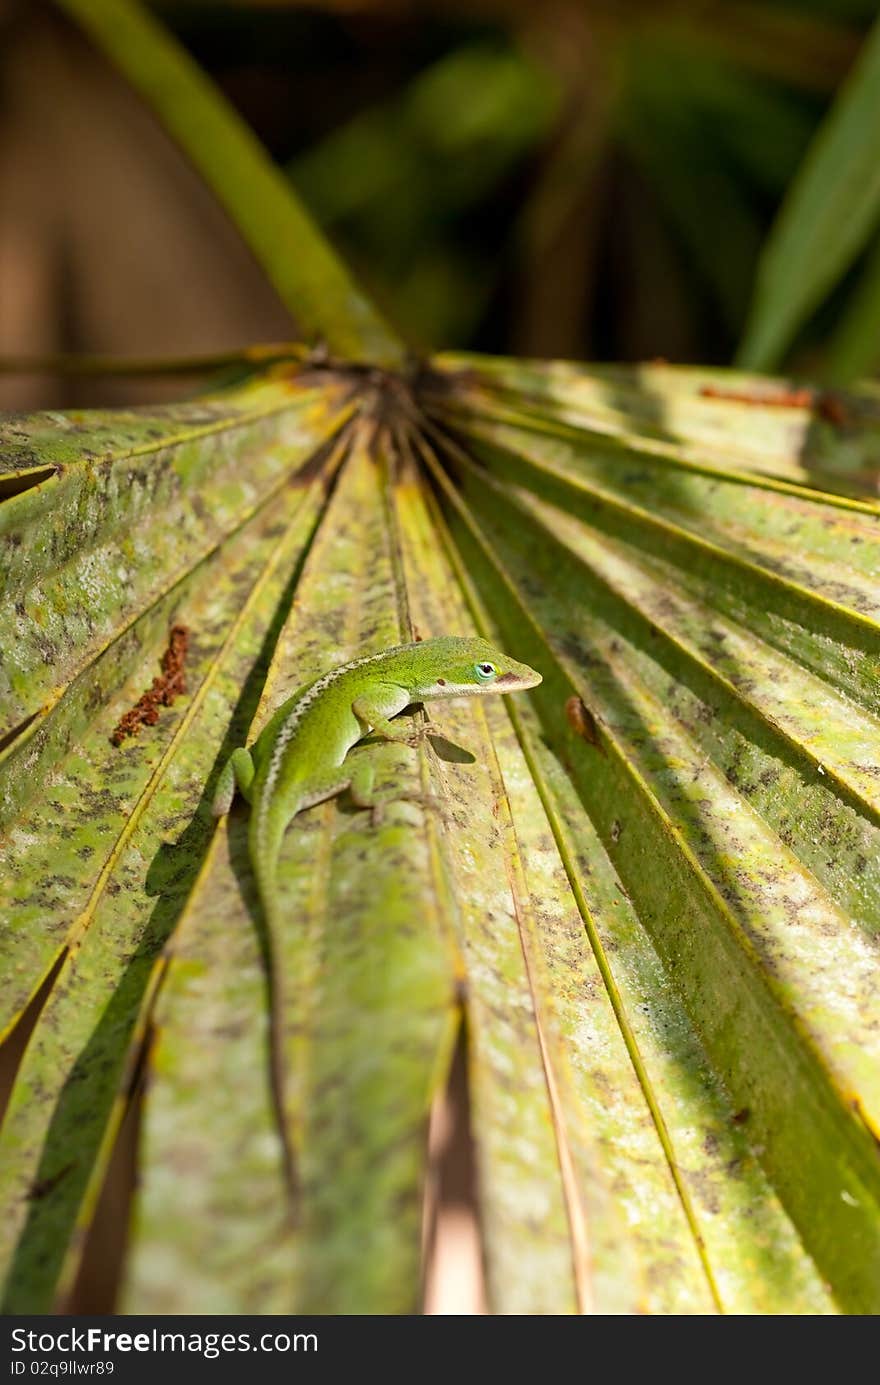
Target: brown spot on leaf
(776,399)
(822,402)
(582,722)
(167,686)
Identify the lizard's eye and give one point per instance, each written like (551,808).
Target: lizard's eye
(485,671)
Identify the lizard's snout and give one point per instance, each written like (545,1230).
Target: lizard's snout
(518,680)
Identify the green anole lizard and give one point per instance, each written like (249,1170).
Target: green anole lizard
(299,758)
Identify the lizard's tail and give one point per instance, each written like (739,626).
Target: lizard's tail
(273,923)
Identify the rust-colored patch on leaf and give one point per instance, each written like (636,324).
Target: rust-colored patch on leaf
(162,692)
(582,722)
(775,399)
(827,405)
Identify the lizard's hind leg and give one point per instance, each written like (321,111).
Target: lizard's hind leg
(237,773)
(363,794)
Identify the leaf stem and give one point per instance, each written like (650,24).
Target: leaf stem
(309,277)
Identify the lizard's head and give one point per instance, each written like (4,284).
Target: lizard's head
(456,667)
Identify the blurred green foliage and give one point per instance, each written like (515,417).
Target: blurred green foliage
(580,178)
(829,214)
(397,181)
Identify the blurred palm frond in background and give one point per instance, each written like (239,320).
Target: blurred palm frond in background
(572,179)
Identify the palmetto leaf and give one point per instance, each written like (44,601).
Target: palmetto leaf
(649,892)
(651,895)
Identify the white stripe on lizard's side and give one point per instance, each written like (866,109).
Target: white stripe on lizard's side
(287,729)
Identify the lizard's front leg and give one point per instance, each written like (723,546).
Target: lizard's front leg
(374,710)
